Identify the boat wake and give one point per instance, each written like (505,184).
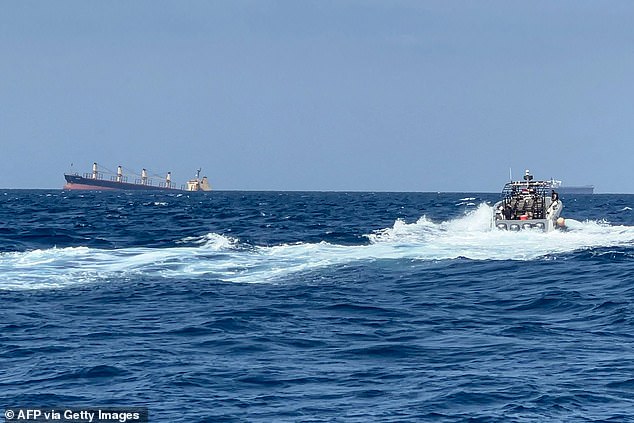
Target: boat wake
(218,257)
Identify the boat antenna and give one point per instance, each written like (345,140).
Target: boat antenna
(510,174)
(528,178)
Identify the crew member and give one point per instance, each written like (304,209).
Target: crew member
(554,205)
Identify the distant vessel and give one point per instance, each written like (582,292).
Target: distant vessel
(119,181)
(562,189)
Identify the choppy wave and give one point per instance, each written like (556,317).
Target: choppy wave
(218,257)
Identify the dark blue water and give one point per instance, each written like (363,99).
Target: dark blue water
(236,306)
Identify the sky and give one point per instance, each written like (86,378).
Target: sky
(343,95)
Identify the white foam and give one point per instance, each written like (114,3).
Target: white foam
(218,257)
(471,237)
(211,241)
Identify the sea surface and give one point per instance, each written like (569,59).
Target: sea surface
(315,307)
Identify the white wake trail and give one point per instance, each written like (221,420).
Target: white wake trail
(217,257)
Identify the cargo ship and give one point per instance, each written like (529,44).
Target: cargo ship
(563,189)
(96,181)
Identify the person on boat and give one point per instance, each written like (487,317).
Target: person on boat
(508,212)
(554,205)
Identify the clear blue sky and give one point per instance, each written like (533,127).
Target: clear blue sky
(320,95)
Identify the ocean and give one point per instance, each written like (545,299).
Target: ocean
(315,307)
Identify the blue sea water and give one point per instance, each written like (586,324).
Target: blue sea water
(311,307)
